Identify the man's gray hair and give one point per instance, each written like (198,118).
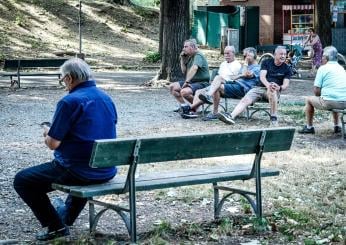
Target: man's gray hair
(192,42)
(331,53)
(77,68)
(279,48)
(230,47)
(250,50)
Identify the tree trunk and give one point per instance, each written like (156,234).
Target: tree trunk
(162,4)
(324,29)
(175,19)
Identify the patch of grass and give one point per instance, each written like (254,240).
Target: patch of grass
(225,226)
(162,229)
(152,57)
(245,205)
(20,19)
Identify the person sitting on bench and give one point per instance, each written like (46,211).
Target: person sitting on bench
(275,76)
(81,117)
(195,68)
(329,90)
(229,70)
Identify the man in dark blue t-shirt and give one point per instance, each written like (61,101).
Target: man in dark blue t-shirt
(81,117)
(275,76)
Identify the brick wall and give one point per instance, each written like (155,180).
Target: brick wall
(266,27)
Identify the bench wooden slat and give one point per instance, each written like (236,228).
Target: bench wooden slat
(118,152)
(28,63)
(152,181)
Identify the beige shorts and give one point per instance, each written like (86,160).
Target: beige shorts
(319,103)
(259,93)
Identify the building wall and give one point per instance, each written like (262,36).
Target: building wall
(266,26)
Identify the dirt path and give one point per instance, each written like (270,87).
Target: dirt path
(145,111)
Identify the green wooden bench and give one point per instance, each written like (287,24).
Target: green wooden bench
(343,121)
(16,67)
(160,150)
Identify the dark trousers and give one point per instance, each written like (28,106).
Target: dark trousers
(33,184)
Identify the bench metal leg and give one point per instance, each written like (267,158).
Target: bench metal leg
(343,133)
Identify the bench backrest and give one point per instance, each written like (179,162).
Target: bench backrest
(170,148)
(27,63)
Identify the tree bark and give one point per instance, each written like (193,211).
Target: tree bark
(175,18)
(162,4)
(324,23)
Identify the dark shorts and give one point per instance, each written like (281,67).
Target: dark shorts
(196,85)
(233,90)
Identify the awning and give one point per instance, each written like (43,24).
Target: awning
(298,7)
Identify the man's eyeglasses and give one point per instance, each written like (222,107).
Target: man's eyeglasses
(62,79)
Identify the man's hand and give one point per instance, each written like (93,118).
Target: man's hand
(186,84)
(274,87)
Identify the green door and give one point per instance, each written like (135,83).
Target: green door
(251,26)
(216,22)
(199,28)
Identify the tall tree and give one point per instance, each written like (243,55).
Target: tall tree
(174,18)
(324,28)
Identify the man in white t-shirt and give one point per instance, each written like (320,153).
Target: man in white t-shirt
(329,90)
(228,71)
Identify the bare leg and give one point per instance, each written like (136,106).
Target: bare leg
(336,119)
(215,85)
(187,94)
(216,101)
(175,90)
(273,102)
(196,100)
(309,112)
(241,106)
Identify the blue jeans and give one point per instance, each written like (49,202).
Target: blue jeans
(32,184)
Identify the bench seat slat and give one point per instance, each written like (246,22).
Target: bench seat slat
(178,178)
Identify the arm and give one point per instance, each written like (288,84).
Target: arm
(263,78)
(49,141)
(183,62)
(314,40)
(317,91)
(190,74)
(285,84)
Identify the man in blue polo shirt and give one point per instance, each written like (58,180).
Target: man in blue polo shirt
(81,117)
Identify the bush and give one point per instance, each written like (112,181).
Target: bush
(152,57)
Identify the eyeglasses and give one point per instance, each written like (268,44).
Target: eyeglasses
(62,79)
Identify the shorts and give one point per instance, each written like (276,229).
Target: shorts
(319,103)
(259,93)
(195,86)
(233,90)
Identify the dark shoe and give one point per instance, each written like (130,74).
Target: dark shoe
(306,130)
(210,117)
(225,118)
(206,98)
(178,109)
(185,109)
(337,129)
(49,235)
(189,115)
(274,121)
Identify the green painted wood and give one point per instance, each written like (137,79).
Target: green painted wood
(153,181)
(8,64)
(171,148)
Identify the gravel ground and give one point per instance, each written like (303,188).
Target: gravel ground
(148,111)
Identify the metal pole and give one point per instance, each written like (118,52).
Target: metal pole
(80,29)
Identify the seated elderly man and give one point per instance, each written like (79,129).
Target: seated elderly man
(329,90)
(275,76)
(228,71)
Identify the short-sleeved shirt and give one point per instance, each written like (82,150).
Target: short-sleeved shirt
(275,74)
(81,117)
(249,83)
(227,70)
(202,74)
(331,78)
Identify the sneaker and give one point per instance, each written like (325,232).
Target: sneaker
(185,109)
(206,98)
(306,130)
(189,115)
(274,121)
(178,109)
(225,118)
(49,235)
(337,129)
(210,117)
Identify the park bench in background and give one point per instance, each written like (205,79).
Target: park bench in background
(14,68)
(161,150)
